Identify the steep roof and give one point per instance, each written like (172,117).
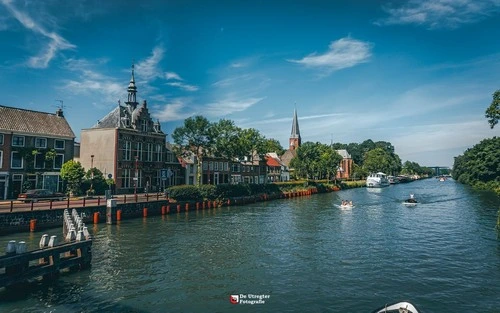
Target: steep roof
(295,126)
(344,154)
(288,156)
(34,122)
(272,162)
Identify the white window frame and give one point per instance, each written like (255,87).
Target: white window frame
(54,162)
(59,140)
(1,158)
(41,139)
(144,126)
(158,153)
(17,177)
(24,141)
(127,147)
(12,159)
(126,178)
(149,154)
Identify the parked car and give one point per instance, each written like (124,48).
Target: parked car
(35,195)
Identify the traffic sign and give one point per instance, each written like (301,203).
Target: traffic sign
(164,174)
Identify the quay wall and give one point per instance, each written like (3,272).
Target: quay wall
(15,222)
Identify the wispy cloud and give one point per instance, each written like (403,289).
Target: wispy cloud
(172,76)
(91,82)
(343,53)
(55,44)
(439,13)
(226,82)
(149,68)
(183,86)
(176,109)
(230,105)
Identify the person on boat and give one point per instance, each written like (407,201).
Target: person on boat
(412,199)
(350,203)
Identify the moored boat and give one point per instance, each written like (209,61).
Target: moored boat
(399,307)
(377,180)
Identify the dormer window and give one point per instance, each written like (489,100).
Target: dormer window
(144,126)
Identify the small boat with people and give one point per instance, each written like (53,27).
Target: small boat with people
(399,307)
(377,180)
(346,204)
(411,201)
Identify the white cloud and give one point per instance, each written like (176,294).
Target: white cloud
(226,82)
(149,68)
(230,105)
(172,75)
(173,111)
(55,44)
(440,13)
(343,53)
(183,86)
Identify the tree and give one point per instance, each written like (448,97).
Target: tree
(493,111)
(72,172)
(226,140)
(273,145)
(95,178)
(315,161)
(196,136)
(377,160)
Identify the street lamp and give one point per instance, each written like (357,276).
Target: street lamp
(136,178)
(91,173)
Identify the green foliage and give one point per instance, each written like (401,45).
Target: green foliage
(479,166)
(315,161)
(273,145)
(493,111)
(98,183)
(208,192)
(184,193)
(72,172)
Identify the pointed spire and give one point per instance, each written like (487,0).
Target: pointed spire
(295,139)
(132,90)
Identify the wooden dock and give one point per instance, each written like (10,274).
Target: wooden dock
(19,266)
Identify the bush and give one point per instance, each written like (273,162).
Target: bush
(184,193)
(208,192)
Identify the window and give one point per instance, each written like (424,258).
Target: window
(18,141)
(216,166)
(59,144)
(1,139)
(40,142)
(17,177)
(1,158)
(211,165)
(126,178)
(191,168)
(221,166)
(205,165)
(16,161)
(39,161)
(144,125)
(149,152)
(139,150)
(58,161)
(127,151)
(158,153)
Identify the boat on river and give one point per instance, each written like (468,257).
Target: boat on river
(410,201)
(399,307)
(377,180)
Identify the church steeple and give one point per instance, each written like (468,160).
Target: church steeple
(295,139)
(132,91)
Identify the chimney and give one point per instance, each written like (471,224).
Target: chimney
(59,112)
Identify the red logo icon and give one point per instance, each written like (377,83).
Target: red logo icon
(234,299)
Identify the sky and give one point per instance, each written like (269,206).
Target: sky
(419,74)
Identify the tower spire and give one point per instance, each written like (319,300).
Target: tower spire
(295,139)
(132,90)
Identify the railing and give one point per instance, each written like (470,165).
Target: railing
(17,206)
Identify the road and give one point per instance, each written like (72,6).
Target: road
(18,206)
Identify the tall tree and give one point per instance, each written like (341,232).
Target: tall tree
(273,145)
(226,139)
(377,160)
(196,136)
(493,111)
(72,172)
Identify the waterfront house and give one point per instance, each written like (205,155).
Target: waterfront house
(33,147)
(345,167)
(126,145)
(276,170)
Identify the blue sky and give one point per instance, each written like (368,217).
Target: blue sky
(419,74)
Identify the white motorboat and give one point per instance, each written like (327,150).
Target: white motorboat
(377,180)
(410,201)
(400,307)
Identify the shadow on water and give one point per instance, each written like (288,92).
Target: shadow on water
(46,294)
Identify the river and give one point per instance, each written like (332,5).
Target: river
(303,254)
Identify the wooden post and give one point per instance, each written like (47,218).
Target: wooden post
(145,212)
(96,217)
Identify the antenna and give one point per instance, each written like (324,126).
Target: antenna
(61,105)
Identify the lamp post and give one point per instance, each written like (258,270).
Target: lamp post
(136,178)
(92,172)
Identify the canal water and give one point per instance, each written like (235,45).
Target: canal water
(301,254)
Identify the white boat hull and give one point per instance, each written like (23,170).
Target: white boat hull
(401,307)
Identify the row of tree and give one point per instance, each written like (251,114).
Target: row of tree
(78,181)
(315,161)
